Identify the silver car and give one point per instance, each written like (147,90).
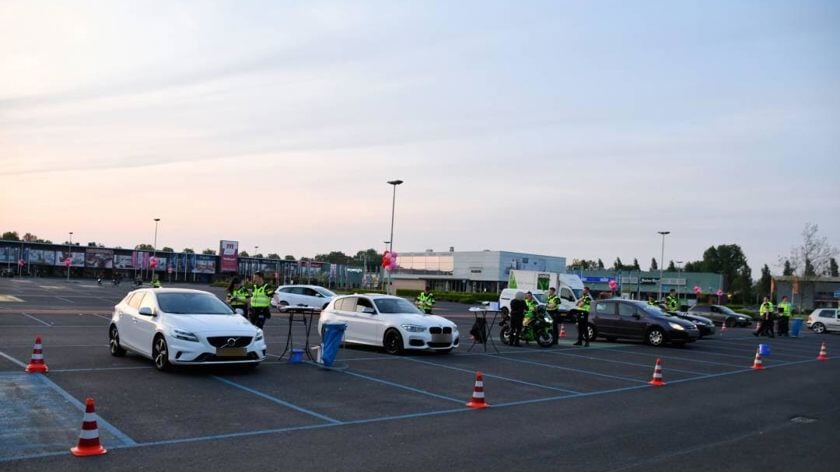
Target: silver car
(824,320)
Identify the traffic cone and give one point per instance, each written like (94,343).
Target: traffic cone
(562,330)
(823,353)
(657,380)
(89,435)
(722,329)
(477,400)
(758,364)
(36,364)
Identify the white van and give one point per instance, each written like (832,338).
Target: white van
(509,294)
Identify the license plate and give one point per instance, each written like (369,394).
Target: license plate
(231,352)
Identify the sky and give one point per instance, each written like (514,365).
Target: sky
(574,129)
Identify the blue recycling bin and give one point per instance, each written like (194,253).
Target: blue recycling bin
(764,349)
(296,357)
(333,333)
(795,327)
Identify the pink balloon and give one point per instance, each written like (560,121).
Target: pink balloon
(153,262)
(68,262)
(393,255)
(613,284)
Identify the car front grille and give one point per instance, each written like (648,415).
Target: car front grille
(207,357)
(224,341)
(439,330)
(433,344)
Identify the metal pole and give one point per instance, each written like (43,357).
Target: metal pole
(154,248)
(69,254)
(394,183)
(662,261)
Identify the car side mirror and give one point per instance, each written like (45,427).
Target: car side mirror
(239,311)
(146,311)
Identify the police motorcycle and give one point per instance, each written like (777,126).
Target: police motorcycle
(538,328)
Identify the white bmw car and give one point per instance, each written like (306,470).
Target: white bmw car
(390,322)
(187,327)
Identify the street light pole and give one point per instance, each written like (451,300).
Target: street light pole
(679,271)
(154,247)
(394,183)
(69,254)
(662,260)
(254,260)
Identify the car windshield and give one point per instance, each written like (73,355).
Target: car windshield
(727,310)
(539,297)
(326,293)
(192,304)
(396,305)
(578,293)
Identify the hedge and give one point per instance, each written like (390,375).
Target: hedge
(457,297)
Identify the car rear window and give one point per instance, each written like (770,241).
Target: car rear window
(346,304)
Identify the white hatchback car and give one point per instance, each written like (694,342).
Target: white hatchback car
(302,295)
(823,320)
(180,326)
(391,322)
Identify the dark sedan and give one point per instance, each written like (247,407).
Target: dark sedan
(629,319)
(703,324)
(721,315)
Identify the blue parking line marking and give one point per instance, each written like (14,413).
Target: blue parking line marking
(748,351)
(572,369)
(492,376)
(277,400)
(561,353)
(404,387)
(686,359)
(741,371)
(100,421)
(99,369)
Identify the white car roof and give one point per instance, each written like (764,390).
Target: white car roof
(172,290)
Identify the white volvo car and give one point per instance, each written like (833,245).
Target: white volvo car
(187,327)
(390,322)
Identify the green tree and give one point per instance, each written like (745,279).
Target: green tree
(167,249)
(810,270)
(144,247)
(814,255)
(653,264)
(618,265)
(764,283)
(671,267)
(209,252)
(289,257)
(258,255)
(636,265)
(243,254)
(188,251)
(273,255)
(10,236)
(832,268)
(600,264)
(729,261)
(788,270)
(334,257)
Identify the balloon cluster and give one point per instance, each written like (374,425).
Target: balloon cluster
(697,290)
(21,262)
(613,285)
(389,260)
(153,262)
(68,262)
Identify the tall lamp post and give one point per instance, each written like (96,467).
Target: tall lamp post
(254,260)
(69,254)
(679,271)
(393,183)
(154,247)
(662,260)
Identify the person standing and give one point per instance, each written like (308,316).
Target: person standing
(785,311)
(155,281)
(582,312)
(553,308)
(671,301)
(261,293)
(425,302)
(517,314)
(765,327)
(237,296)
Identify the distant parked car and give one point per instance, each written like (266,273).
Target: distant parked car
(824,320)
(617,318)
(721,315)
(703,324)
(302,295)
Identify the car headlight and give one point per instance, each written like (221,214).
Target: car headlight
(677,327)
(413,328)
(184,335)
(259,336)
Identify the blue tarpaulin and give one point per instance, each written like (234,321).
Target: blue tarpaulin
(333,333)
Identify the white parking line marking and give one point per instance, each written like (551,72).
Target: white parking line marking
(12,359)
(36,319)
(65,299)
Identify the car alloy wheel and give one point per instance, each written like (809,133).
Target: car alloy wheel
(114,342)
(160,354)
(818,328)
(656,337)
(393,342)
(591,333)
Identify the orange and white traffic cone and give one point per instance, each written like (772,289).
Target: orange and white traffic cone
(36,363)
(722,329)
(477,400)
(89,444)
(758,364)
(562,330)
(823,353)
(657,380)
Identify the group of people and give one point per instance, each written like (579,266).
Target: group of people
(774,317)
(252,298)
(523,310)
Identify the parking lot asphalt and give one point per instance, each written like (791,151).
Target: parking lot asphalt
(560,408)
